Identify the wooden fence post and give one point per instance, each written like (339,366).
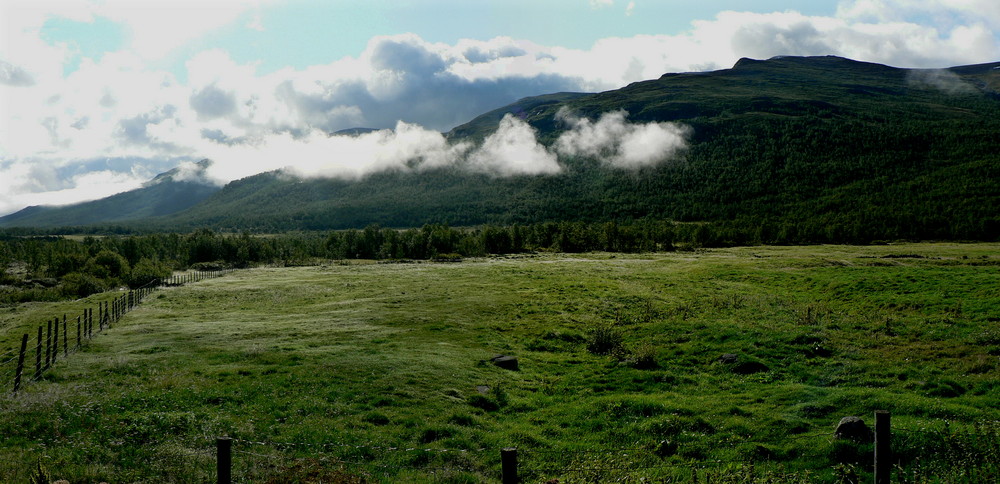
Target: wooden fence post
(65,342)
(38,355)
(224,460)
(48,346)
(508,464)
(20,363)
(883,453)
(55,342)
(77,333)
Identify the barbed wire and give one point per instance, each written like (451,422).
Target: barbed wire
(365,446)
(11,360)
(15,350)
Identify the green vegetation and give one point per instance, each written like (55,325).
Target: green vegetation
(785,151)
(621,354)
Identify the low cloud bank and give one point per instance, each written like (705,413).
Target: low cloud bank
(940,79)
(621,143)
(513,149)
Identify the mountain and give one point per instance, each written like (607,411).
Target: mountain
(354,131)
(484,124)
(167,193)
(785,149)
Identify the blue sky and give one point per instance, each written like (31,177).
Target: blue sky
(97,96)
(299,34)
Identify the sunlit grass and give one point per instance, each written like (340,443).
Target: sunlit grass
(367,356)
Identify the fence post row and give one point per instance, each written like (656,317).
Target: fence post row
(108,312)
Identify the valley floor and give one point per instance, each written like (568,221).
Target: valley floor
(733,364)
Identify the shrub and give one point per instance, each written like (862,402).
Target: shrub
(604,339)
(114,263)
(643,357)
(147,271)
(76,284)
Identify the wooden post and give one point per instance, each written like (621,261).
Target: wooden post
(48,346)
(883,453)
(55,342)
(38,355)
(77,332)
(508,464)
(20,363)
(224,460)
(65,341)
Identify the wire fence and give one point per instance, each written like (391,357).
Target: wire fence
(914,455)
(55,339)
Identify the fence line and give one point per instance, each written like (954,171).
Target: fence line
(519,463)
(48,342)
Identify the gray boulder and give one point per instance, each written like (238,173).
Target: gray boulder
(853,428)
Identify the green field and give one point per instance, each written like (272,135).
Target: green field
(372,372)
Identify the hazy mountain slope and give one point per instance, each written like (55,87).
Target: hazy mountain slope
(167,193)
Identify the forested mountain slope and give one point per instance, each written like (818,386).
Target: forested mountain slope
(789,149)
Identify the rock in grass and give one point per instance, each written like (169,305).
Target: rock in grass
(852,428)
(742,367)
(505,362)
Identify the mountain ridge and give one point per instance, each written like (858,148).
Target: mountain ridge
(841,149)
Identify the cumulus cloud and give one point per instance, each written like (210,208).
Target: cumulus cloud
(514,150)
(618,142)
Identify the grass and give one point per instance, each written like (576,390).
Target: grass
(335,371)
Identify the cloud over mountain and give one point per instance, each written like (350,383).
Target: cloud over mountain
(125,105)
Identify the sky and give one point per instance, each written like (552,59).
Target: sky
(97,97)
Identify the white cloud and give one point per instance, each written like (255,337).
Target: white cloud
(157,27)
(947,13)
(24,185)
(618,142)
(601,3)
(941,79)
(513,150)
(629,9)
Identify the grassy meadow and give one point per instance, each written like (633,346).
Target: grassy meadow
(366,372)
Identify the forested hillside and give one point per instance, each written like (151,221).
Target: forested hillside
(788,150)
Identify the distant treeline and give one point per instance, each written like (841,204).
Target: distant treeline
(56,267)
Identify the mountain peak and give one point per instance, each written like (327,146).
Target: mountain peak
(185,172)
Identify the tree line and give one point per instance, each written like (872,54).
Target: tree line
(55,267)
